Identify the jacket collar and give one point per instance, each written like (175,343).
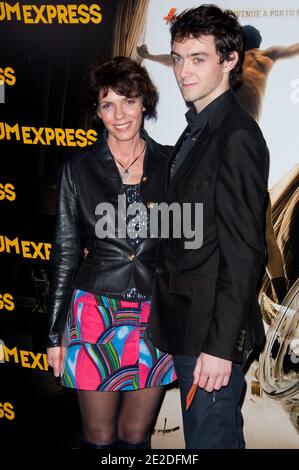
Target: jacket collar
(215,120)
(101,150)
(223,108)
(198,120)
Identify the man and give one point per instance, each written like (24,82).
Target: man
(257,66)
(205,309)
(256,69)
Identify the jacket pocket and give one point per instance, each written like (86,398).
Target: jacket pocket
(191,285)
(200,186)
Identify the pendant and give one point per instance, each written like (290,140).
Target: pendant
(126,175)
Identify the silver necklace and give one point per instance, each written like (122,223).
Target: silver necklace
(126,173)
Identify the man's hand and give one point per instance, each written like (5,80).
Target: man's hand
(211,373)
(143,51)
(55,358)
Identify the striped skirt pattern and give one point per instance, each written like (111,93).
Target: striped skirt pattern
(108,347)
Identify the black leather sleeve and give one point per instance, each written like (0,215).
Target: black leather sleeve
(66,254)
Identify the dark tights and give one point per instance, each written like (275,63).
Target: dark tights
(107,416)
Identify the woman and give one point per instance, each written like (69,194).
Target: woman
(105,351)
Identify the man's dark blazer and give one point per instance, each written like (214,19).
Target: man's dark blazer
(204,300)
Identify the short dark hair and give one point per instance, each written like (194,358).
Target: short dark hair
(126,77)
(211,20)
(252,37)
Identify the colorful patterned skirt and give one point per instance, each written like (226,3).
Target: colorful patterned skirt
(108,347)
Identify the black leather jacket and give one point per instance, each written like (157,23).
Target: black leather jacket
(87,178)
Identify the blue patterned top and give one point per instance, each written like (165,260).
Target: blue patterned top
(133,196)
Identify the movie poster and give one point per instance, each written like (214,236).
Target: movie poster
(46,50)
(270,92)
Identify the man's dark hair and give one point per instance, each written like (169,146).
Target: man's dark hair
(211,20)
(127,78)
(252,39)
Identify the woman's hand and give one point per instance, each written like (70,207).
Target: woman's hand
(55,356)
